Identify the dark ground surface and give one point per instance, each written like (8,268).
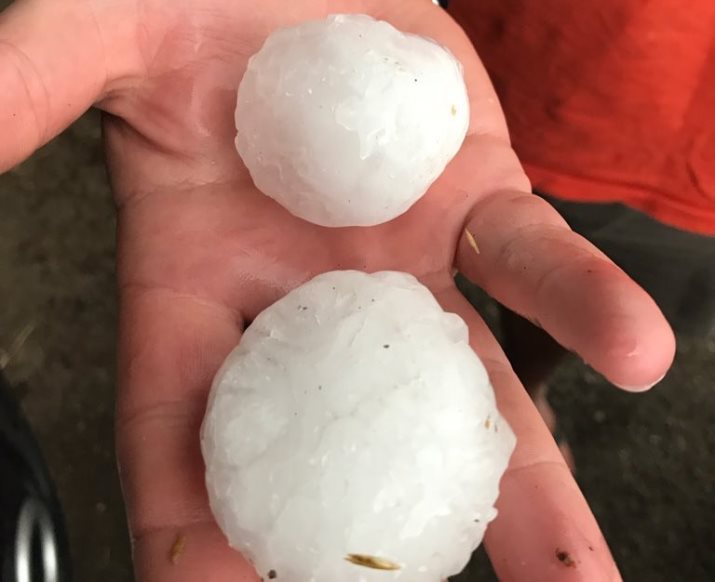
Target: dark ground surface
(646,463)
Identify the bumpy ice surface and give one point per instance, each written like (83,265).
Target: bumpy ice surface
(348,121)
(353,418)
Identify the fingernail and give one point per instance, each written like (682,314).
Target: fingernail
(639,388)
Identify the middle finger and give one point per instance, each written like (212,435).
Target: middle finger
(545,529)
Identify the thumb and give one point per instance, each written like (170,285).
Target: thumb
(56,60)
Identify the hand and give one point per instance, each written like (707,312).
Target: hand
(201,252)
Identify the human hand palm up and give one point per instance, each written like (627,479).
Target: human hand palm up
(201,252)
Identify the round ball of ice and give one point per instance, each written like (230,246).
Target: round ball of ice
(348,121)
(353,436)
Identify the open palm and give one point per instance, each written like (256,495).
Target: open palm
(201,252)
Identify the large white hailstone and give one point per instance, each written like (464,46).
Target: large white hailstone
(353,436)
(348,121)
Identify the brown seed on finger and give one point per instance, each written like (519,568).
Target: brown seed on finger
(177,549)
(471,240)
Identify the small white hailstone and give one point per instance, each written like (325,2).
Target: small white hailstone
(348,121)
(353,436)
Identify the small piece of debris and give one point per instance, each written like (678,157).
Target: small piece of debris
(272,575)
(488,423)
(472,242)
(454,110)
(386,346)
(177,549)
(372,562)
(565,558)
(6,356)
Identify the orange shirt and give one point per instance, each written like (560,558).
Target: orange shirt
(608,100)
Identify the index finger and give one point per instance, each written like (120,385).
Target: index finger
(520,251)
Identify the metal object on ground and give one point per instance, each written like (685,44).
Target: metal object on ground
(33,542)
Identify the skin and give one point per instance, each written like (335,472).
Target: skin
(201,252)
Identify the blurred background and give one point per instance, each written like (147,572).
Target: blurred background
(645,462)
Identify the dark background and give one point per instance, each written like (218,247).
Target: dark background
(645,462)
